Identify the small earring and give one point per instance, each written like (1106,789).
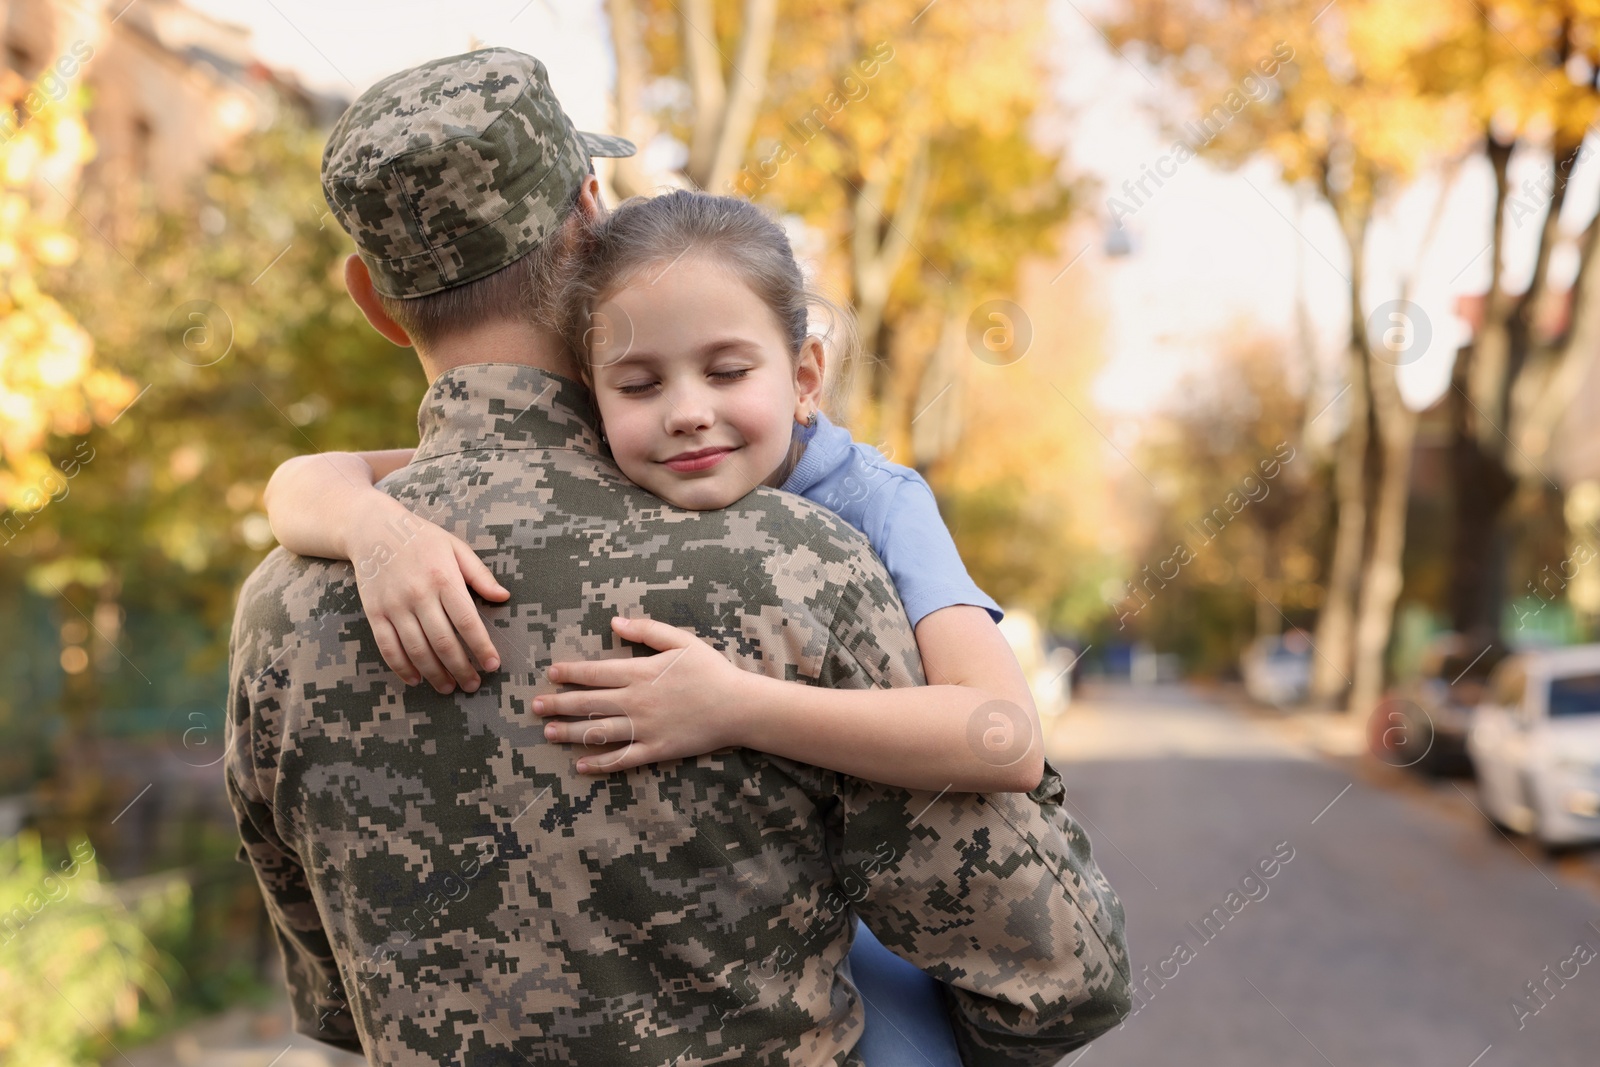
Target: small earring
(812,420)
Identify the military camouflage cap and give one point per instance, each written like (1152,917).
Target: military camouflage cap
(447,172)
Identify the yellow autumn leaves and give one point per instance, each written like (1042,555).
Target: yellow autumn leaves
(48,381)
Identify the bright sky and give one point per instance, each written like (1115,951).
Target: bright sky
(345,45)
(1215,254)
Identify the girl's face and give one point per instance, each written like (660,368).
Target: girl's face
(695,386)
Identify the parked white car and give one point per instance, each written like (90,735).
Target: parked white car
(1535,744)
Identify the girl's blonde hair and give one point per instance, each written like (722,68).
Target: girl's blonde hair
(646,232)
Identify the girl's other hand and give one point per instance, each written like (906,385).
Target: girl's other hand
(416,598)
(686,701)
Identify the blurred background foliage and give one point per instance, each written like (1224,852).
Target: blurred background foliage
(175,326)
(172,337)
(68,936)
(1239,502)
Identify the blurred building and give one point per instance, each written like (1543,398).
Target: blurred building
(1570,460)
(1574,447)
(168,87)
(1573,454)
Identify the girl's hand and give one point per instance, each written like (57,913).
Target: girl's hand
(415,596)
(687,701)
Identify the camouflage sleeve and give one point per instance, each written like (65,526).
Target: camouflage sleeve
(316,991)
(995,895)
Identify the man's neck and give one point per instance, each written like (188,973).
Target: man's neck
(499,342)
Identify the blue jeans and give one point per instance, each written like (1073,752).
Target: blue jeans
(907,1025)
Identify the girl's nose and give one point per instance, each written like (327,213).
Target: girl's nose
(688,411)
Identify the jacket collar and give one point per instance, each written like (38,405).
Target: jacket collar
(505,406)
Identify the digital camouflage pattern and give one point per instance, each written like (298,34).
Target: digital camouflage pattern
(447,890)
(451,170)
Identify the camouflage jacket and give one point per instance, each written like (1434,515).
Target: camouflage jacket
(447,890)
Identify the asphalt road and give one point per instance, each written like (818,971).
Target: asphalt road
(1396,928)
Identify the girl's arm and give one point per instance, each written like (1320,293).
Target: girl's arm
(314,502)
(420,610)
(974,729)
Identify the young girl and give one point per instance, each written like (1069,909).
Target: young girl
(689,320)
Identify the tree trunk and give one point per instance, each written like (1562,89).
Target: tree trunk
(627,176)
(749,87)
(725,105)
(703,68)
(1395,432)
(936,426)
(1336,622)
(1335,637)
(1547,386)
(76,796)
(1268,622)
(1381,576)
(879,244)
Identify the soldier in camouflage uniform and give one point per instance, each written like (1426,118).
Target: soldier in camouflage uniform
(445,888)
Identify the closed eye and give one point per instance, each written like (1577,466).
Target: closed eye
(635,390)
(730,375)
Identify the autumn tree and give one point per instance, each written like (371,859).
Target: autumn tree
(727,90)
(55,385)
(1354,114)
(227,314)
(912,142)
(901,131)
(1530,72)
(1027,494)
(1231,552)
(51,383)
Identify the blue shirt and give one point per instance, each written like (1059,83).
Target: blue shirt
(894,507)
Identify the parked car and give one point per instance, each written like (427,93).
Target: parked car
(1423,724)
(1535,743)
(1277,670)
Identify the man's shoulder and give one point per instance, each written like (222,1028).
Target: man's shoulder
(802,521)
(282,593)
(289,578)
(779,548)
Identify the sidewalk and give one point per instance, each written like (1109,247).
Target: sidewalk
(1112,720)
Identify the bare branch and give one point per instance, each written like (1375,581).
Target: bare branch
(880,242)
(1571,359)
(1499,153)
(749,81)
(1563,158)
(1447,183)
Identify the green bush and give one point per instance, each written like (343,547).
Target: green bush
(76,961)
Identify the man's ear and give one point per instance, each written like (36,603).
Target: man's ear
(589,201)
(358,282)
(808,378)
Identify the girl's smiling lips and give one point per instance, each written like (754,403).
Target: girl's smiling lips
(703,459)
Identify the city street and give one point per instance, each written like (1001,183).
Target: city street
(1396,927)
(1402,931)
